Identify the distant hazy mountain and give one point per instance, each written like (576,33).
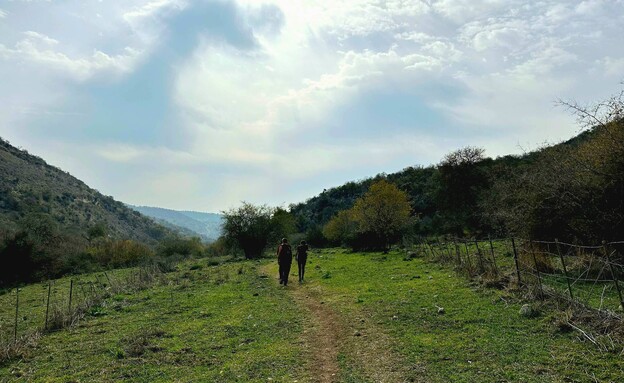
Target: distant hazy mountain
(206,225)
(29,187)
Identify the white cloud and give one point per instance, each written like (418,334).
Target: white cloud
(611,66)
(152,8)
(496,33)
(3,13)
(487,70)
(419,37)
(40,49)
(239,115)
(461,11)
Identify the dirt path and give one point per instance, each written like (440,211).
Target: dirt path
(330,333)
(324,337)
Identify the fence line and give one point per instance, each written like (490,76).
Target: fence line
(589,275)
(64,306)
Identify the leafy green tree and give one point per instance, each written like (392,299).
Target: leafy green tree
(384,211)
(283,223)
(341,229)
(461,182)
(249,228)
(97,231)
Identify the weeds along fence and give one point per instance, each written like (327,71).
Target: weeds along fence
(591,276)
(50,306)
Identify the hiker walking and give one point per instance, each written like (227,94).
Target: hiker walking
(302,258)
(284,260)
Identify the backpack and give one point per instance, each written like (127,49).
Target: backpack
(284,251)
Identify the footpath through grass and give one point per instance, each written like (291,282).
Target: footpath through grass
(369,317)
(480,337)
(210,324)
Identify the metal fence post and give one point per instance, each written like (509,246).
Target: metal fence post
(539,277)
(613,275)
(565,270)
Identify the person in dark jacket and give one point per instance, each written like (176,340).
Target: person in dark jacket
(284,260)
(302,258)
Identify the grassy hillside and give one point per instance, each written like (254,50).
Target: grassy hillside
(357,318)
(29,186)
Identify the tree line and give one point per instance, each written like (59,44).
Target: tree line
(573,191)
(42,249)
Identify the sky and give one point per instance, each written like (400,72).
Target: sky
(199,105)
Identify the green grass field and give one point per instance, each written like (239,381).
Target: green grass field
(214,323)
(372,317)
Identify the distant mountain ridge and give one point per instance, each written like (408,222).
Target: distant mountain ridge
(30,187)
(205,225)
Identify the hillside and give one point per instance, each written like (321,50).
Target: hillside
(205,225)
(479,196)
(29,187)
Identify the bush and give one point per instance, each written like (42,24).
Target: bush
(122,253)
(183,247)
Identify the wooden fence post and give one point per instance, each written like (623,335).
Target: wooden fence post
(459,262)
(613,275)
(433,255)
(99,282)
(48,305)
(565,270)
(479,256)
(110,284)
(16,313)
(71,290)
(468,257)
(513,245)
(493,257)
(448,250)
(539,277)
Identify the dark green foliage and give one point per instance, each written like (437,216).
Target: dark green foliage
(573,191)
(462,177)
(251,228)
(248,227)
(178,246)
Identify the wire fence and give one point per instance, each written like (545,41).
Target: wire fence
(592,276)
(26,313)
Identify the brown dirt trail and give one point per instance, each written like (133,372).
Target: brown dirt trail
(330,332)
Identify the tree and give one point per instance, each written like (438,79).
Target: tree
(249,228)
(461,181)
(283,223)
(383,212)
(573,191)
(341,229)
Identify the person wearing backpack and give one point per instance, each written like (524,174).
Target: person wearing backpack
(302,258)
(284,260)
